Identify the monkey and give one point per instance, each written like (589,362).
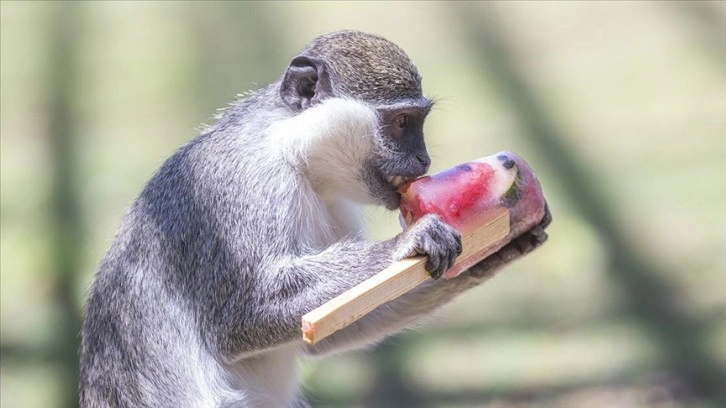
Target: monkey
(254,222)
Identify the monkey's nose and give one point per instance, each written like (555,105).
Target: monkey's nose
(424,159)
(507,163)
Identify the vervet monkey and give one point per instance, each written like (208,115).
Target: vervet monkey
(252,224)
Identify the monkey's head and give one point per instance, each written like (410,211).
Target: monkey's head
(372,70)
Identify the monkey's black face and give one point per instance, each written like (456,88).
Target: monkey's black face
(401,155)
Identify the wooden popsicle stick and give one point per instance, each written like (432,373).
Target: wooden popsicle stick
(398,279)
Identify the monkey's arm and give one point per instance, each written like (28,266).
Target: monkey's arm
(402,312)
(288,288)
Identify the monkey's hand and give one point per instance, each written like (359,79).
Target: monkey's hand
(431,237)
(517,248)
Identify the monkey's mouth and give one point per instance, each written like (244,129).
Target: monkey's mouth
(391,186)
(384,181)
(398,181)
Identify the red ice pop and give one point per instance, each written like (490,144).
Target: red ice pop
(465,195)
(489,201)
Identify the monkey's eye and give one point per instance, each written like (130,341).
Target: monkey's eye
(402,121)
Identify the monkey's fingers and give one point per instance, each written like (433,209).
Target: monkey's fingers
(516,249)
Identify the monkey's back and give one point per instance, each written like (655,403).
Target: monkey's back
(153,321)
(140,346)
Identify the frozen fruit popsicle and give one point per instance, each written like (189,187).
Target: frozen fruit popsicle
(489,201)
(466,195)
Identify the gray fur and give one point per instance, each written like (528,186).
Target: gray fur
(372,68)
(198,302)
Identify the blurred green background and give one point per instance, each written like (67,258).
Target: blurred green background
(620,107)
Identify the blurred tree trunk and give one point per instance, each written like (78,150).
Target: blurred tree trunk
(67,232)
(390,388)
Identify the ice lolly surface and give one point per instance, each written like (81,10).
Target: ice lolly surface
(466,195)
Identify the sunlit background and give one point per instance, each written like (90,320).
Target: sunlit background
(619,107)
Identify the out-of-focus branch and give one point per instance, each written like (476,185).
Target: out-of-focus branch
(706,24)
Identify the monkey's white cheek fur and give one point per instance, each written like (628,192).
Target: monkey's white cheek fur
(324,129)
(328,142)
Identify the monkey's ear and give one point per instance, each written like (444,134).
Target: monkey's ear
(306,83)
